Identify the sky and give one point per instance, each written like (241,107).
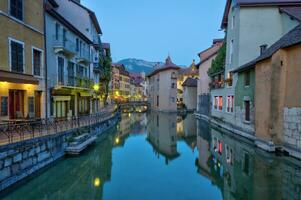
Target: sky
(152,29)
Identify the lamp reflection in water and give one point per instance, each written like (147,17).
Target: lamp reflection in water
(96,182)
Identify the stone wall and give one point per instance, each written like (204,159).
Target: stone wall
(292,127)
(19,160)
(22,159)
(204,104)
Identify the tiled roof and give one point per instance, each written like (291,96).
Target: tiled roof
(106,45)
(168,65)
(256,3)
(190,82)
(294,12)
(121,68)
(208,53)
(290,39)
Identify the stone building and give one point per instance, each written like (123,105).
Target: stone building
(72,59)
(203,89)
(121,82)
(162,87)
(278,95)
(267,23)
(190,94)
(22,67)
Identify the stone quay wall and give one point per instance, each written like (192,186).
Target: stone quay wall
(22,159)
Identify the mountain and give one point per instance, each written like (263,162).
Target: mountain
(137,65)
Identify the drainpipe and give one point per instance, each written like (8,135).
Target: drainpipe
(45,60)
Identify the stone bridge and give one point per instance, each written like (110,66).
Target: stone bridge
(134,106)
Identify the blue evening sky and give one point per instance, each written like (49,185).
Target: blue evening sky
(150,29)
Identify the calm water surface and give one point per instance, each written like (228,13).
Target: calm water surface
(165,156)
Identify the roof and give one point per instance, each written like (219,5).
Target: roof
(72,28)
(106,45)
(168,65)
(189,70)
(290,39)
(210,52)
(121,68)
(256,3)
(190,82)
(294,12)
(92,15)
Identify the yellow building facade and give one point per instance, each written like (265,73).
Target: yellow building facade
(22,89)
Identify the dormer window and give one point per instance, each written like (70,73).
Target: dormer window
(16,9)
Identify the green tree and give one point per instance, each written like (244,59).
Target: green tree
(218,64)
(106,74)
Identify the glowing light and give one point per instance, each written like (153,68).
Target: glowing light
(117,93)
(96,87)
(117,140)
(96,182)
(3,84)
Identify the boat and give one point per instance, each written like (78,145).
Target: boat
(79,144)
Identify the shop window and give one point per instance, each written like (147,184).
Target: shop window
(30,105)
(4,106)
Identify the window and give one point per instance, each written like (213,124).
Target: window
(173,85)
(64,37)
(172,99)
(70,73)
(57,30)
(77,45)
(37,62)
(230,79)
(16,56)
(233,22)
(16,9)
(246,163)
(230,104)
(157,101)
(247,78)
(30,104)
(60,70)
(231,51)
(218,103)
(247,111)
(4,106)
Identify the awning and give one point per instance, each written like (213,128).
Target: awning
(61,98)
(14,77)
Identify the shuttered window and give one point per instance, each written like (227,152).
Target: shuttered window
(37,62)
(17,55)
(16,9)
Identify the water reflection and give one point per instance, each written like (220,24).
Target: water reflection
(167,156)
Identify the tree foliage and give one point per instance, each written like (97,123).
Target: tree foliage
(106,74)
(218,64)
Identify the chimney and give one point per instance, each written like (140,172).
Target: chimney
(263,48)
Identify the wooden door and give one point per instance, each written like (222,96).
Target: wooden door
(38,96)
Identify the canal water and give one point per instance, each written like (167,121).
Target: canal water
(164,156)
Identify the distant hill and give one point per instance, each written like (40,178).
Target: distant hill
(137,65)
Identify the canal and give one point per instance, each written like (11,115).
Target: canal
(164,156)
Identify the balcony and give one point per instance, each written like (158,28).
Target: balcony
(83,56)
(83,83)
(63,45)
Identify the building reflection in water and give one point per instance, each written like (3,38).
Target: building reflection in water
(242,171)
(162,134)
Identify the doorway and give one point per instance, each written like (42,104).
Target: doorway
(16,104)
(37,97)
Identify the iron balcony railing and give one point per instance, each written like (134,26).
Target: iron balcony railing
(61,41)
(13,132)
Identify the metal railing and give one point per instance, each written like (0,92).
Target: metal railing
(64,42)
(13,132)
